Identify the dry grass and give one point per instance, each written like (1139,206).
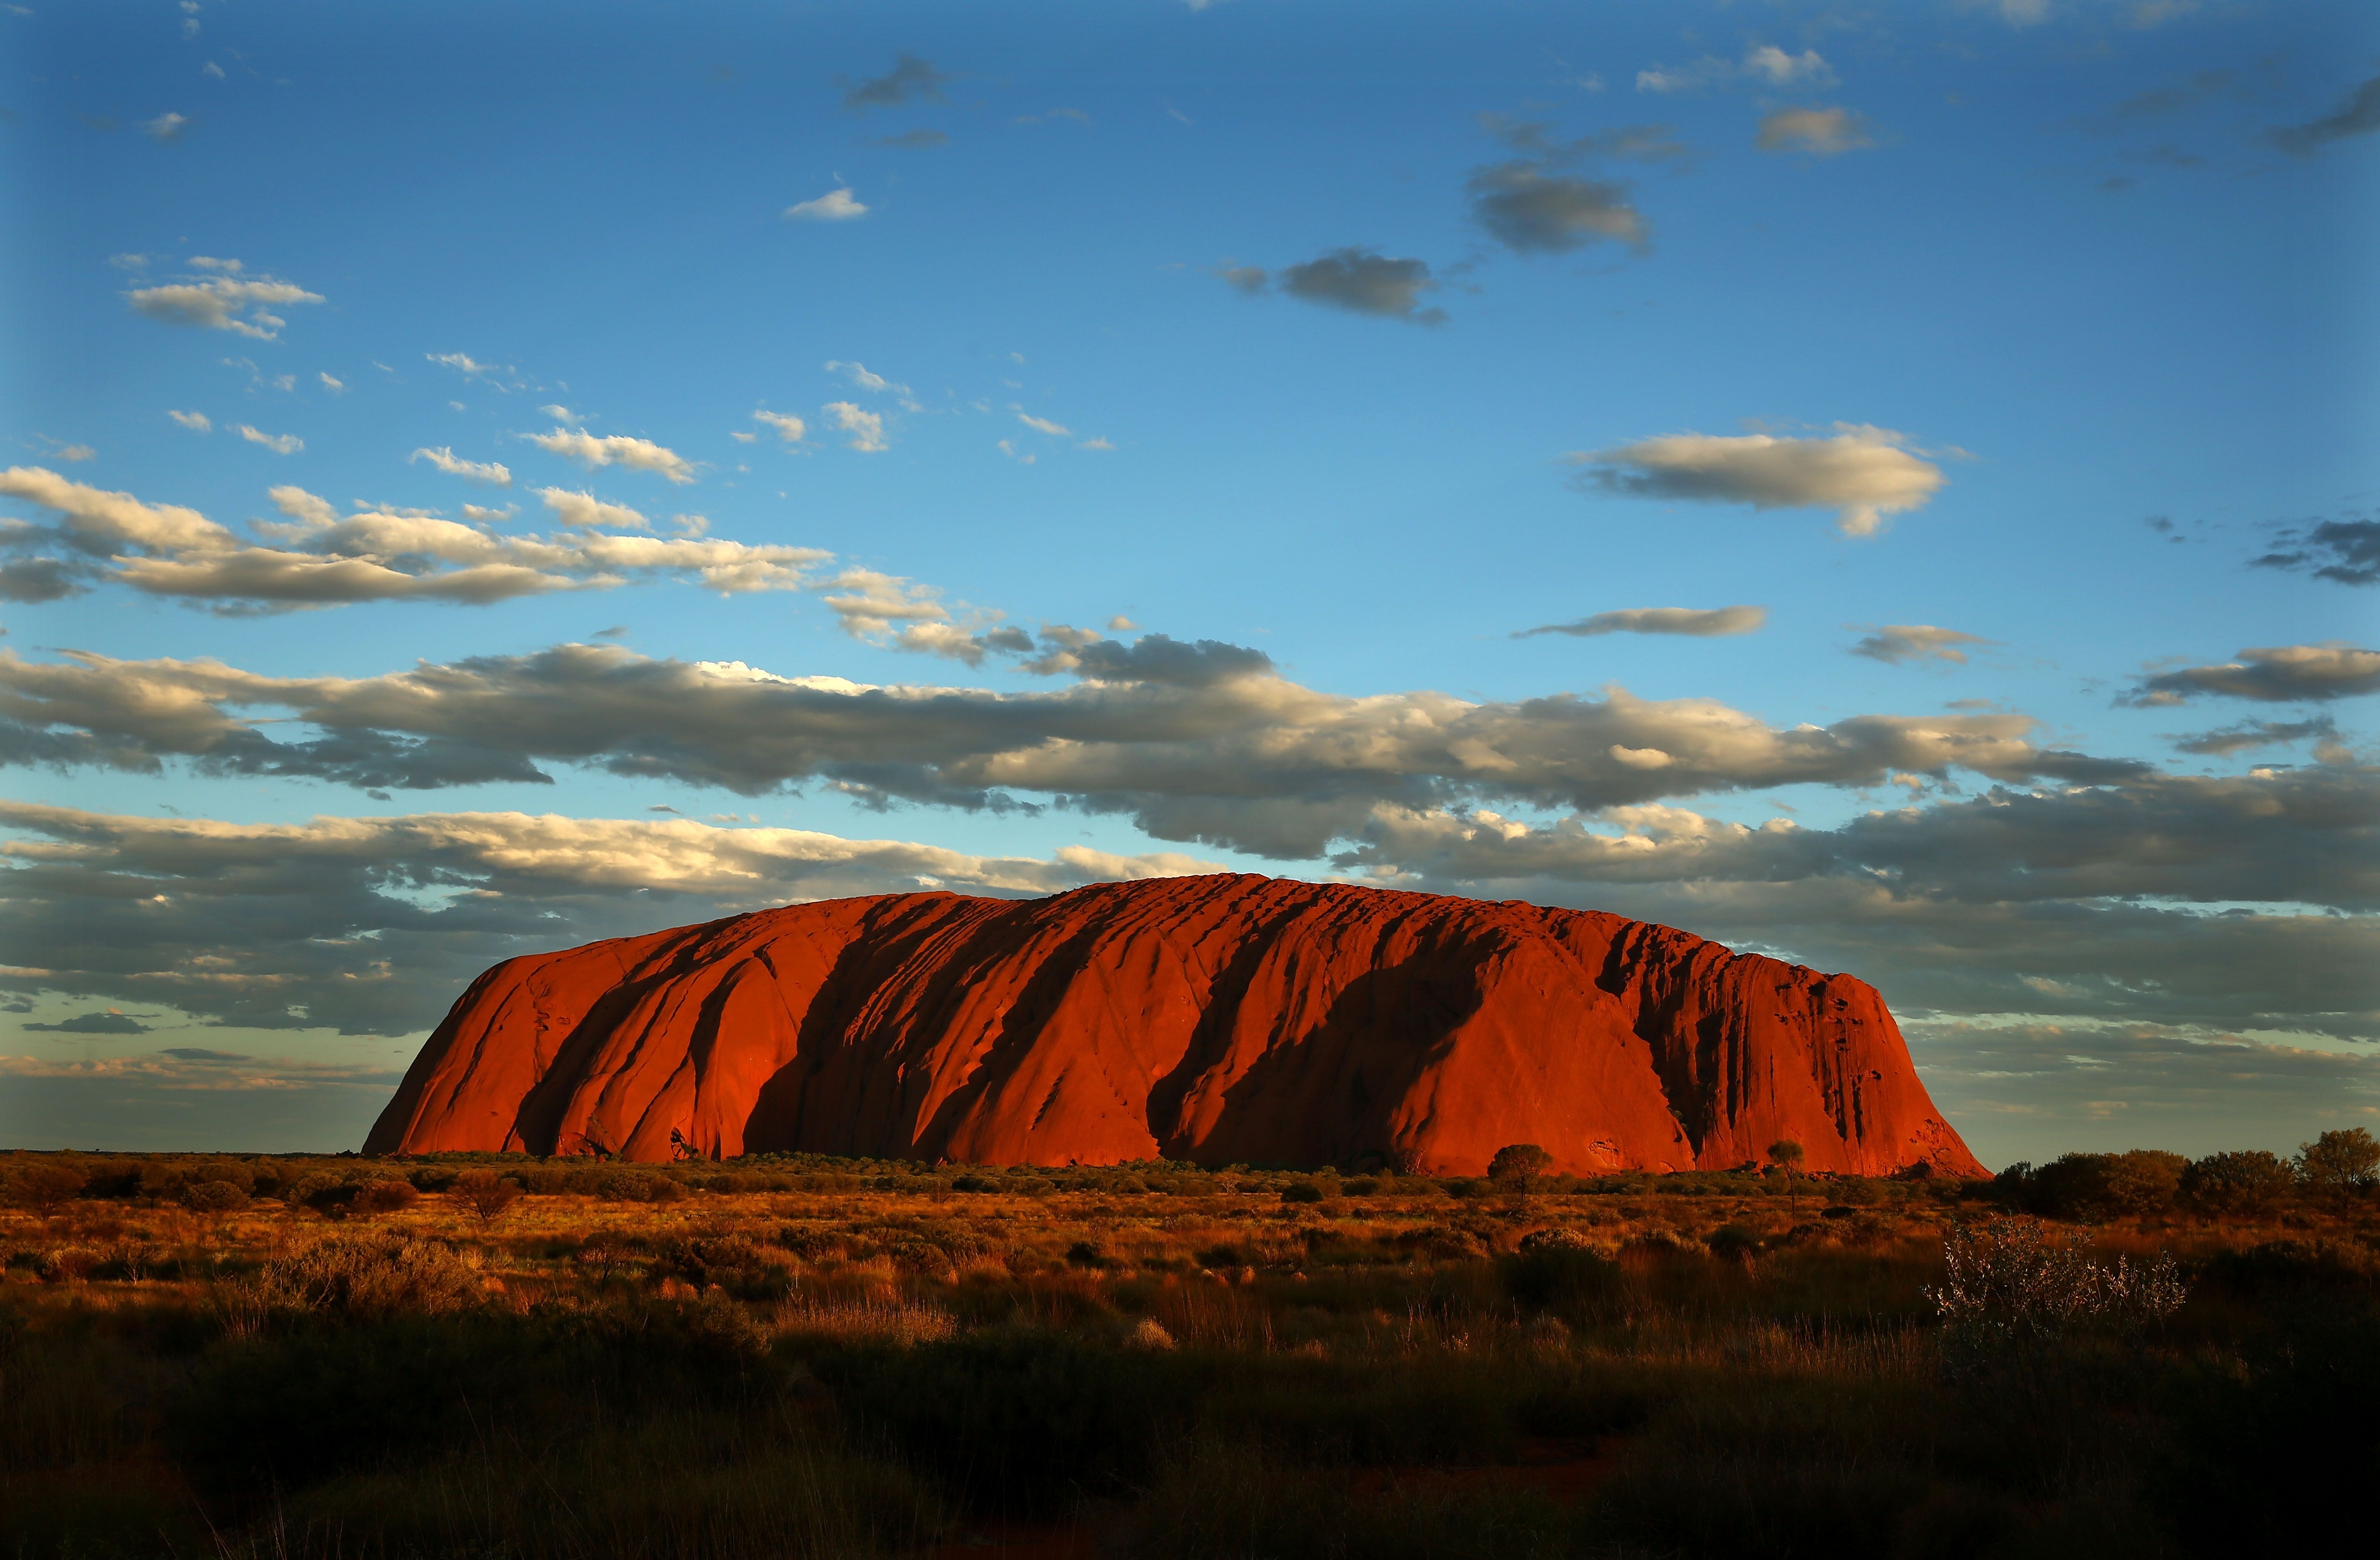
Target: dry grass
(821,1358)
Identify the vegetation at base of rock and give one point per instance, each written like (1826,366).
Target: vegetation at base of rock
(2128,1355)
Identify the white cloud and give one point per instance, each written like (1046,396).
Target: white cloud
(1095,443)
(1043,425)
(248,903)
(279,444)
(835,205)
(586,509)
(1822,132)
(1778,68)
(491,374)
(1009,449)
(319,558)
(1863,472)
(866,428)
(479,512)
(864,378)
(212,69)
(1900,642)
(335,387)
(1763,64)
(1700,624)
(789,428)
(223,303)
(563,414)
(446,461)
(165,127)
(641,455)
(1202,741)
(73,453)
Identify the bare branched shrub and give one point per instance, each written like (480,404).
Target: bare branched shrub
(484,1193)
(2016,1283)
(369,1276)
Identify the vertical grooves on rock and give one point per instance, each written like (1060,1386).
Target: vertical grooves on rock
(1215,1019)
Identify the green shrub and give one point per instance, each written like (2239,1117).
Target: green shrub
(2250,1182)
(213,1197)
(1561,1274)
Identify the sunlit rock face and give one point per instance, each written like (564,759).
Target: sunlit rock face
(1225,1019)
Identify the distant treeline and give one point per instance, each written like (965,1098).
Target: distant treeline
(2076,1187)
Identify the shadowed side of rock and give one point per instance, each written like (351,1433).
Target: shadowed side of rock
(1222,1019)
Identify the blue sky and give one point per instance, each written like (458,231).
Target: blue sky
(2011,358)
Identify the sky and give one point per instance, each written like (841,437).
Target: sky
(1887,486)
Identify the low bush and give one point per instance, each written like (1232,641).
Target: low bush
(1017,1419)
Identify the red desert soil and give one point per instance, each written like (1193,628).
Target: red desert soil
(1223,1019)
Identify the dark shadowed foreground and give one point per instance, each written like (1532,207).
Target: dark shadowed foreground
(504,1358)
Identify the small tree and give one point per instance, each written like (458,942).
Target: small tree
(485,1193)
(1517,1168)
(1785,1153)
(2247,1182)
(44,1186)
(2339,1162)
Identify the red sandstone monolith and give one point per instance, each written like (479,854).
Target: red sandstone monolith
(1225,1019)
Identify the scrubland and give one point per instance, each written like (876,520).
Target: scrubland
(483,1356)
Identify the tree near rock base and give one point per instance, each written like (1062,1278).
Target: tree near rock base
(1517,1168)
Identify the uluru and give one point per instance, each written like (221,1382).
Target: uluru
(1221,1019)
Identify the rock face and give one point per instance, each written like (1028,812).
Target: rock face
(1222,1020)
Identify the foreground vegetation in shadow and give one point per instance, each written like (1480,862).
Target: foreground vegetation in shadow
(483,1356)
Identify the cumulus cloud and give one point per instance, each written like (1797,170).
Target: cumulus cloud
(224,301)
(1773,66)
(909,78)
(638,454)
(446,461)
(196,421)
(1822,132)
(2109,902)
(2358,116)
(1362,281)
(2343,551)
(836,205)
(788,428)
(287,926)
(1699,624)
(1902,642)
(2278,674)
(317,558)
(1864,473)
(1198,741)
(866,428)
(1533,212)
(585,509)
